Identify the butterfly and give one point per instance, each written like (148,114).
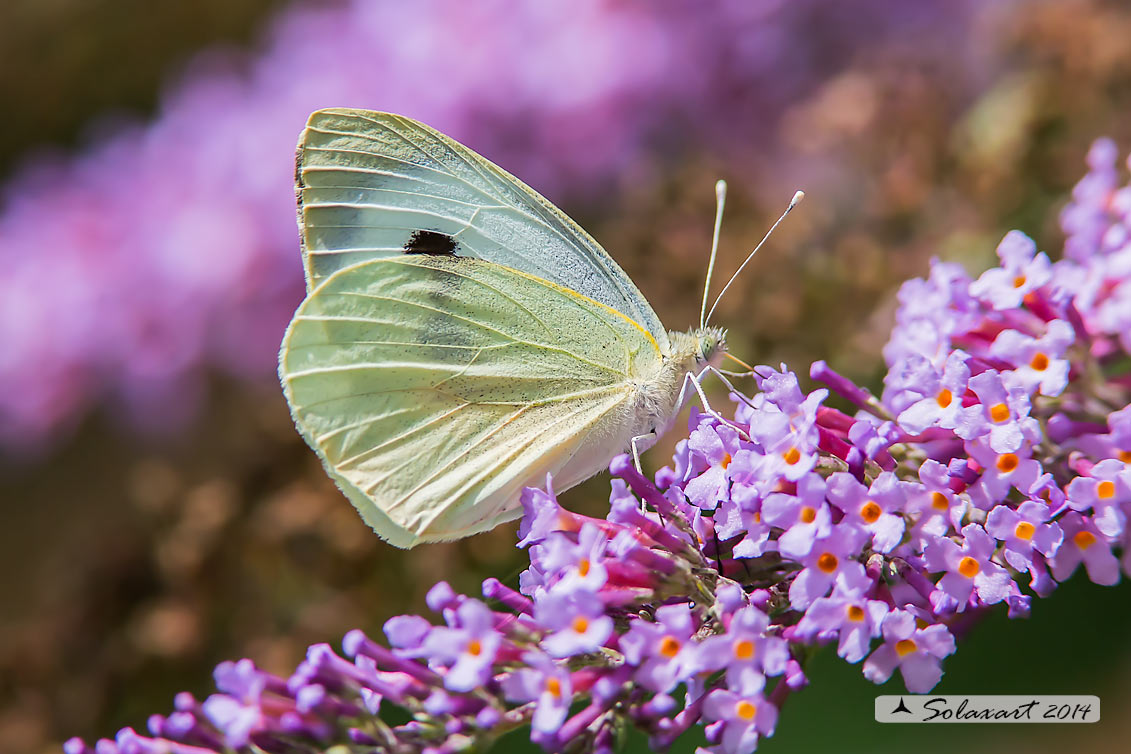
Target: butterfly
(461,337)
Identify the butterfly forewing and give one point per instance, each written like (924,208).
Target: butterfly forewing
(369,181)
(435,387)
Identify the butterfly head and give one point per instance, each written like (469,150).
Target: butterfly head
(712,344)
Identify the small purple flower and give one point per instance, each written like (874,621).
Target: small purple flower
(1000,472)
(236,711)
(855,620)
(786,427)
(541,515)
(830,561)
(745,645)
(467,649)
(1119,422)
(916,651)
(782,389)
(1022,270)
(237,719)
(1116,443)
(574,564)
(1084,543)
(875,510)
(576,621)
(1024,531)
(930,312)
(744,712)
(1088,217)
(1002,414)
(935,507)
(941,404)
(969,568)
(1106,492)
(742,516)
(805,516)
(1047,490)
(874,438)
(715,444)
(547,683)
(663,651)
(406,632)
(1038,365)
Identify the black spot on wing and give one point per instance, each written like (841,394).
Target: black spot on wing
(432,243)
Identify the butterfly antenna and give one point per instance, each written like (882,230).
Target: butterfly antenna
(720,200)
(797,197)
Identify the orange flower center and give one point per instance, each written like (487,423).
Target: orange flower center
(1018,281)
(827,562)
(939,501)
(583,567)
(904,647)
(1084,539)
(969,567)
(870,512)
(808,514)
(1040,362)
(1024,530)
(792,456)
(1125,456)
(944,398)
(474,648)
(744,649)
(669,646)
(726,460)
(580,624)
(999,412)
(855,613)
(554,687)
(744,710)
(1007,462)
(1105,490)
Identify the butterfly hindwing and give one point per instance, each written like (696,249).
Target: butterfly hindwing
(368,182)
(435,387)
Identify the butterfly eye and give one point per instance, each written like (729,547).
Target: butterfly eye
(707,348)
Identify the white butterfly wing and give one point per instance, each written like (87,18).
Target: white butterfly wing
(370,182)
(436,387)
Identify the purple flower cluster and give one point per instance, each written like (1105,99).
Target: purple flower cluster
(169,249)
(993,466)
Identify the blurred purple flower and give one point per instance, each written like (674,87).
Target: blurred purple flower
(168,249)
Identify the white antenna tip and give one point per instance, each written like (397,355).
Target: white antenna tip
(796,199)
(720,188)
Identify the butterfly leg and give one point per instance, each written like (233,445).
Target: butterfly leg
(694,381)
(721,374)
(636,459)
(636,448)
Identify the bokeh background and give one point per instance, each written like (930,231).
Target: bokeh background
(160,514)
